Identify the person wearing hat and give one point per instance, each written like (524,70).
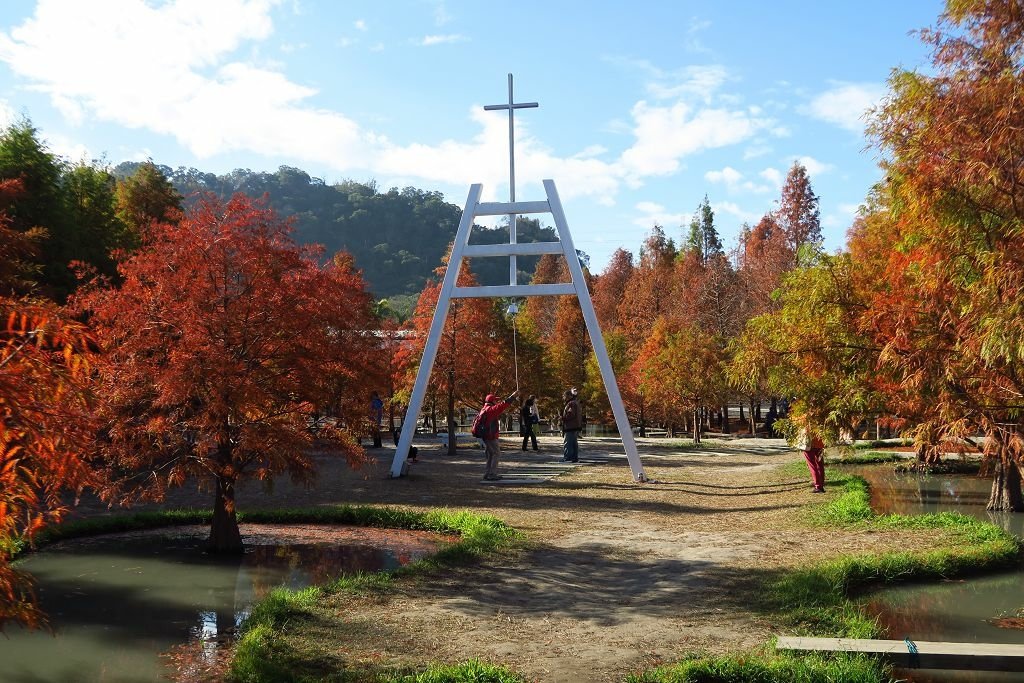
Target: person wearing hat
(489,414)
(572,423)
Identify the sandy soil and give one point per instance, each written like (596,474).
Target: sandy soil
(616,576)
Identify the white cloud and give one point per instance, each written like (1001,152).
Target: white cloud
(813,166)
(652,213)
(755,151)
(428,41)
(734,181)
(692,41)
(7,114)
(665,134)
(728,175)
(734,210)
(694,81)
(849,210)
(360,25)
(772,175)
(845,104)
(191,78)
(441,15)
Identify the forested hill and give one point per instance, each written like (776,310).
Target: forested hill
(398,237)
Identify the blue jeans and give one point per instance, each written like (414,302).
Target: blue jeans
(570,446)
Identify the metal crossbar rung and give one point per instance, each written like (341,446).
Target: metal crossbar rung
(504,208)
(513,290)
(519,249)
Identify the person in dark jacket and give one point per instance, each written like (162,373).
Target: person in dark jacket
(528,419)
(492,410)
(572,422)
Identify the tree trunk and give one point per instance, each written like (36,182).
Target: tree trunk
(753,418)
(1006,491)
(739,404)
(725,419)
(696,425)
(643,420)
(224,535)
(453,442)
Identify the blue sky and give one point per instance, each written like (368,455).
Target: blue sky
(645,106)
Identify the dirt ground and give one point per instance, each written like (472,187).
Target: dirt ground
(616,576)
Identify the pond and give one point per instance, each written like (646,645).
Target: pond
(119,603)
(973,610)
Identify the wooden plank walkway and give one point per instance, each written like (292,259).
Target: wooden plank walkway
(929,655)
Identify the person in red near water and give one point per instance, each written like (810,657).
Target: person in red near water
(492,410)
(814,453)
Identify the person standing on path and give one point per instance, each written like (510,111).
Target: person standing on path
(572,422)
(813,449)
(376,416)
(488,418)
(528,419)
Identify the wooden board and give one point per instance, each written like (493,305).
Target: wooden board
(930,654)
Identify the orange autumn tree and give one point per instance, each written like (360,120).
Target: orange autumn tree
(468,364)
(44,416)
(949,138)
(222,343)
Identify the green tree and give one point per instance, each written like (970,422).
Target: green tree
(147,196)
(703,239)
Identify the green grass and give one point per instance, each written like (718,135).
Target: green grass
(473,671)
(882,443)
(262,653)
(819,600)
(767,668)
(868,458)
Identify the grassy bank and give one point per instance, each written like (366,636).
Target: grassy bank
(818,600)
(264,654)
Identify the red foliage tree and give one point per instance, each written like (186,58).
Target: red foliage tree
(469,362)
(44,412)
(222,343)
(798,214)
(608,289)
(45,429)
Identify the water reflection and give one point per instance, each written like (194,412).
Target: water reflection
(116,603)
(915,494)
(954,611)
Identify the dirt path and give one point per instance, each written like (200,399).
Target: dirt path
(618,576)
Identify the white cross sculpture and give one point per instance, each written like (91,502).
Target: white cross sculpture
(511,106)
(461,249)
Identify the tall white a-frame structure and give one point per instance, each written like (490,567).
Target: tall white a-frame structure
(462,249)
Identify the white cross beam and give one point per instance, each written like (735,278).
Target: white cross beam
(511,106)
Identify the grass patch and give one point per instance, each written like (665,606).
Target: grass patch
(766,668)
(817,600)
(869,458)
(263,654)
(473,671)
(882,443)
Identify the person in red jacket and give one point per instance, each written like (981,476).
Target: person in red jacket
(492,410)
